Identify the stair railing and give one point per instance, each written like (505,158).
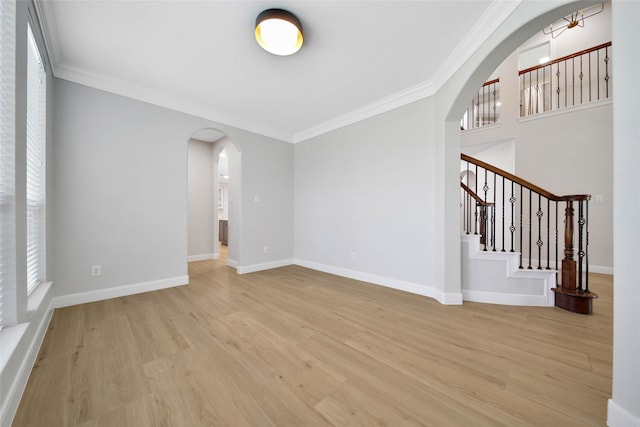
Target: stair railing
(515,215)
(575,79)
(478,214)
(483,109)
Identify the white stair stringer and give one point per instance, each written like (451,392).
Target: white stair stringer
(494,277)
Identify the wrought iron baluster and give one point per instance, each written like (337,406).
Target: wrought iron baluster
(557,247)
(537,104)
(522,109)
(503,203)
(477,115)
(465,211)
(586,250)
(484,224)
(521,227)
(477,219)
(495,103)
(558,81)
(580,248)
(493,216)
(530,94)
(573,81)
(598,74)
(530,238)
(544,92)
(581,81)
(485,188)
(606,65)
(512,228)
(589,71)
(566,89)
(548,233)
(539,243)
(468,214)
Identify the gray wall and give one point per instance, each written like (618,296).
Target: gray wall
(200,221)
(120,179)
(367,189)
(624,406)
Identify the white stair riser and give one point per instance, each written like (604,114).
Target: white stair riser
(494,277)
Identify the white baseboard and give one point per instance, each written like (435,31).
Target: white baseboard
(509,299)
(414,288)
(119,291)
(202,257)
(232,263)
(12,394)
(264,266)
(600,269)
(619,417)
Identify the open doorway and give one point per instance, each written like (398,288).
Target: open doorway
(222,191)
(214,230)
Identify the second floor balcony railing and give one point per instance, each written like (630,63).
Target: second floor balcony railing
(483,109)
(572,80)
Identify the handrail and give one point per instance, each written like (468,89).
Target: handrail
(490,82)
(475,197)
(565,58)
(525,183)
(576,79)
(525,218)
(482,110)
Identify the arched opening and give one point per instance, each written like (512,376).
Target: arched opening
(214,189)
(227,188)
(523,23)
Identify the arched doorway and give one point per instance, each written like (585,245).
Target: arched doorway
(213,195)
(227,196)
(453,98)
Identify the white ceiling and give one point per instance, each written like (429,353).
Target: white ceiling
(359,58)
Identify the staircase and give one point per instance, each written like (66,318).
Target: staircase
(510,248)
(495,278)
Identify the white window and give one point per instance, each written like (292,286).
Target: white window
(7,164)
(36,161)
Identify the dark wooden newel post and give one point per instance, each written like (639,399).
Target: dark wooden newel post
(567,295)
(568,277)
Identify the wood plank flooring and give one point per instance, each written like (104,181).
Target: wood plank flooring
(296,347)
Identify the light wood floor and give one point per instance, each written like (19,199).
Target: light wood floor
(295,347)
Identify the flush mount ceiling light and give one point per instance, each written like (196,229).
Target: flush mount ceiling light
(279,32)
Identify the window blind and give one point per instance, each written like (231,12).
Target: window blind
(7,163)
(36,189)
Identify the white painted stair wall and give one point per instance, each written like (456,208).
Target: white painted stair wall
(494,277)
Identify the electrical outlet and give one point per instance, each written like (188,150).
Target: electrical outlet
(265,250)
(353,256)
(96,270)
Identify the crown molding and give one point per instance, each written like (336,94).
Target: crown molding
(45,13)
(125,89)
(497,12)
(396,100)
